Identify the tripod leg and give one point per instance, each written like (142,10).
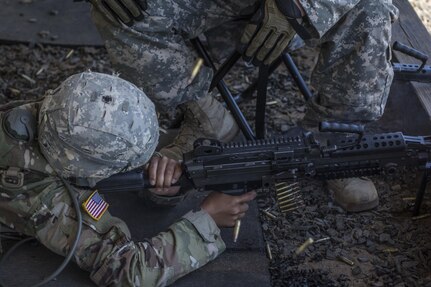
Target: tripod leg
(248,93)
(293,70)
(225,93)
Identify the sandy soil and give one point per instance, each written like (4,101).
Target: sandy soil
(423,9)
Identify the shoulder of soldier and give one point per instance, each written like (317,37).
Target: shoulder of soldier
(18,138)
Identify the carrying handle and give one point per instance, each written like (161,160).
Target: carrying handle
(411,52)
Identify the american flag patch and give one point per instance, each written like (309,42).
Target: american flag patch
(95,206)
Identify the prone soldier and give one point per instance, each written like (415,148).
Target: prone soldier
(89,128)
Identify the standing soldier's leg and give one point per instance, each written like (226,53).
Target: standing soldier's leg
(352,78)
(353,74)
(155,54)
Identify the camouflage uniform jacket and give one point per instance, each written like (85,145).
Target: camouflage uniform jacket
(40,206)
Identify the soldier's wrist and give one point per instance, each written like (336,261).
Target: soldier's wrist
(204,224)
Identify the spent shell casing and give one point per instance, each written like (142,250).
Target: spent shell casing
(287,205)
(304,246)
(291,209)
(69,54)
(268,251)
(196,68)
(236,230)
(269,214)
(390,250)
(409,198)
(346,260)
(322,239)
(421,216)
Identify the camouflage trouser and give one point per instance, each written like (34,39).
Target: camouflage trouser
(352,77)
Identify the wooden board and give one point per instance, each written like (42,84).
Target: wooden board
(409,30)
(57,22)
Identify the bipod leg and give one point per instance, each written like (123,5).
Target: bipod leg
(421,192)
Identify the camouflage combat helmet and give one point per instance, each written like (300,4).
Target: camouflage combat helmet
(95,125)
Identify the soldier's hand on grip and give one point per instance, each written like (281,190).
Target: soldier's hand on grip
(125,11)
(226,209)
(163,172)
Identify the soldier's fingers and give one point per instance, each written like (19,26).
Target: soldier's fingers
(239,216)
(247,35)
(105,10)
(173,190)
(169,172)
(246,197)
(239,208)
(152,169)
(161,171)
(257,41)
(177,173)
(119,11)
(132,7)
(243,208)
(267,46)
(278,50)
(168,191)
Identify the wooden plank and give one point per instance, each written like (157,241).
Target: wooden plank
(57,22)
(410,31)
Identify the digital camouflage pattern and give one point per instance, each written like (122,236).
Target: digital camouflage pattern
(95,125)
(41,207)
(352,77)
(353,74)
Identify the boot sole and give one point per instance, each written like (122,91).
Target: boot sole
(355,207)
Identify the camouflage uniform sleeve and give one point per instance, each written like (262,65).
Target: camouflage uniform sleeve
(107,251)
(186,246)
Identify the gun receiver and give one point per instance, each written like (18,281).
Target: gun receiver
(251,165)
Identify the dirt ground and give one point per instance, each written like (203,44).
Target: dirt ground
(387,246)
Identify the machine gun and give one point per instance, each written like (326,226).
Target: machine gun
(238,167)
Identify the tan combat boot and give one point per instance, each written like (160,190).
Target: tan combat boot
(204,118)
(354,194)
